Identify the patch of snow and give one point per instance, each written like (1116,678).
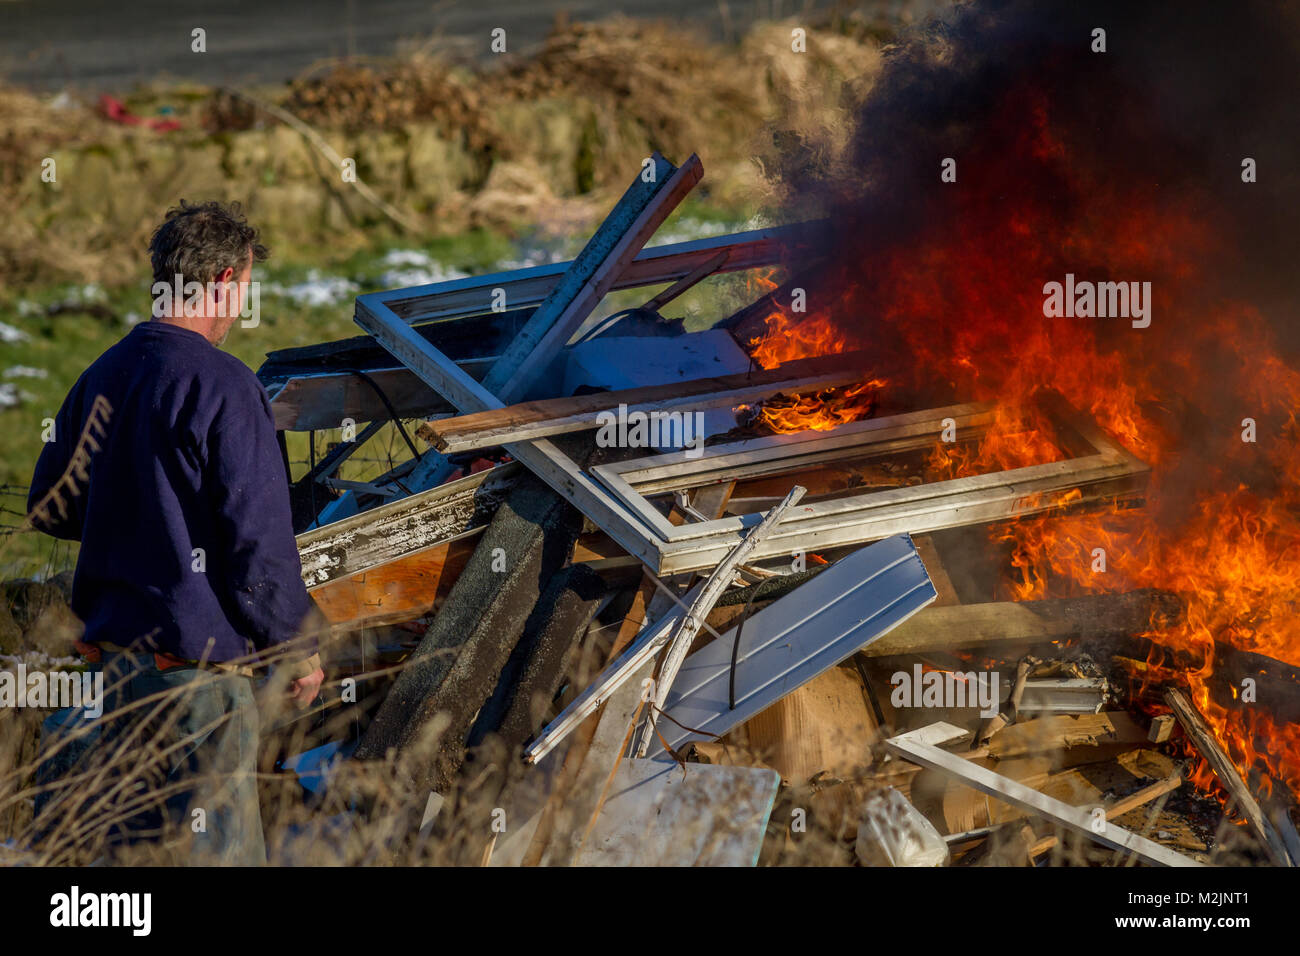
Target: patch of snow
(25,371)
(37,661)
(9,395)
(315,290)
(688,229)
(85,294)
(10,334)
(407,257)
(420,275)
(530,256)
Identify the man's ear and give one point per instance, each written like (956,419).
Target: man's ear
(219,282)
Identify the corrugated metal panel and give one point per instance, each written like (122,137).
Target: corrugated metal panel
(858,599)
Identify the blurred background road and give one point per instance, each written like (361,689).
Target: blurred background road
(53,44)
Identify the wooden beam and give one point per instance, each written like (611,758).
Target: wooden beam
(919,748)
(1105,733)
(1094,617)
(556,416)
(934,567)
(1208,747)
(394,530)
(686,282)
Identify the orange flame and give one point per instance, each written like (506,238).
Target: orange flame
(1221,521)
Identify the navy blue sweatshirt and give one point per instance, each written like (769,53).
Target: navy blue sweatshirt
(182,507)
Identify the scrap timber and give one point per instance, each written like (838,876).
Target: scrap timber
(557,416)
(639,652)
(923,747)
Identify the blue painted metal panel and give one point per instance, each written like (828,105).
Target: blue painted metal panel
(855,601)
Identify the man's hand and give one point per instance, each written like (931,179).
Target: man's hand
(304,690)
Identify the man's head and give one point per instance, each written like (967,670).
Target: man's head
(203,255)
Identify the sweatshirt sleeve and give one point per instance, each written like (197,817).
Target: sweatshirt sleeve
(250,495)
(60,515)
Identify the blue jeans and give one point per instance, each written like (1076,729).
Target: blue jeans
(171,763)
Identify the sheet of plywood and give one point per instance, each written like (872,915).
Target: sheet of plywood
(399,590)
(823,726)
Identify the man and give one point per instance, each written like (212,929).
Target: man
(188,572)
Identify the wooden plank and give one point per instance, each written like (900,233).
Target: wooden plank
(825,726)
(1080,784)
(556,416)
(913,747)
(607,254)
(952,502)
(1105,733)
(711,500)
(791,641)
(663,815)
(399,528)
(938,573)
(686,282)
(969,626)
(400,590)
(1208,747)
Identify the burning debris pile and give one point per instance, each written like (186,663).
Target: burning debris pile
(892,555)
(971,539)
